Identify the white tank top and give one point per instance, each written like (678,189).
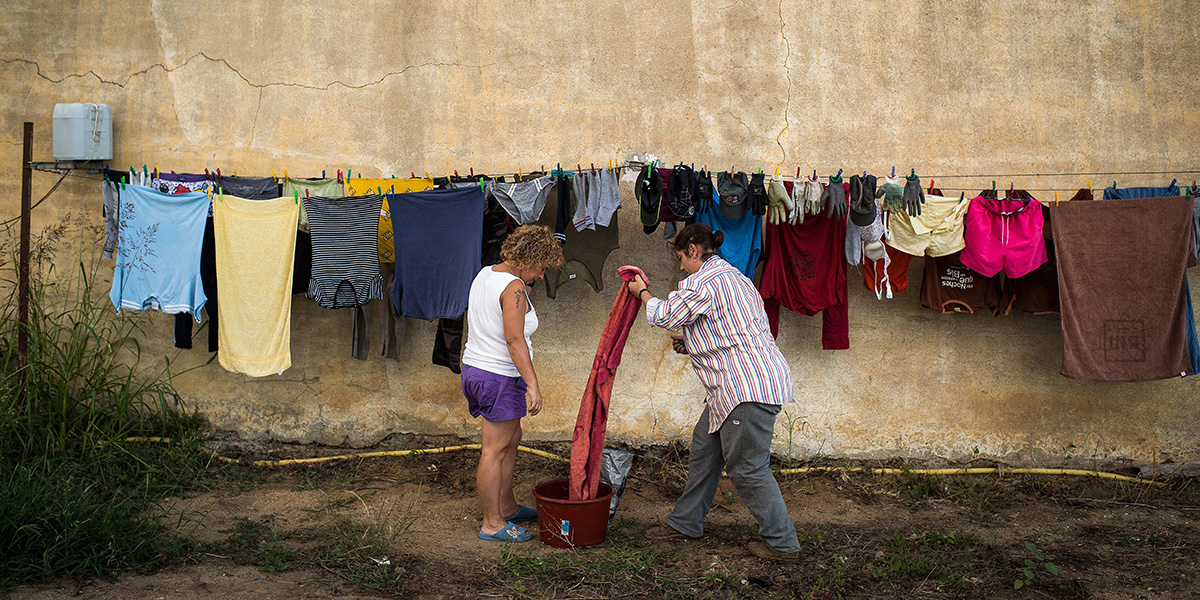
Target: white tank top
(486,348)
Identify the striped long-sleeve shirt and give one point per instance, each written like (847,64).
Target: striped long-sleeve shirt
(727,337)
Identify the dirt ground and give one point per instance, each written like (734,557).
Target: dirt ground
(285,533)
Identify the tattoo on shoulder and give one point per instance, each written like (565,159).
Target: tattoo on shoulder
(520,295)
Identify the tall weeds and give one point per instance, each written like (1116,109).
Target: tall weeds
(75,497)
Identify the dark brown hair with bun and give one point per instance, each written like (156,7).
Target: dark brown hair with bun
(702,236)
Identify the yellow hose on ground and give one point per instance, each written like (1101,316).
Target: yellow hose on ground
(794,471)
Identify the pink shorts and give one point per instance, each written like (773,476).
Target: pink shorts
(1004,235)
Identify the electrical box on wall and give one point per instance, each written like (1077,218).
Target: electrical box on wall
(82,131)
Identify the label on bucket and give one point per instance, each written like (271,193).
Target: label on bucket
(565,529)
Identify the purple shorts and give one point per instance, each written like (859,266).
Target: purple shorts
(496,397)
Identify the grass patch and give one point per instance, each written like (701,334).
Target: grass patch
(365,551)
(256,543)
(958,560)
(76,498)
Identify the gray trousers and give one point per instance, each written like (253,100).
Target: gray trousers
(742,446)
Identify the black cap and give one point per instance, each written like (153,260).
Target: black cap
(862,204)
(734,191)
(648,190)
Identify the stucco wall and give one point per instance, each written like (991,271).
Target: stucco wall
(948,88)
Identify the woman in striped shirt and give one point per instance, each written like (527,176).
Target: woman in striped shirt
(747,381)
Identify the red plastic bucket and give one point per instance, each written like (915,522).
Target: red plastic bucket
(565,523)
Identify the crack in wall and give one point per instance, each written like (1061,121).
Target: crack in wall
(225,62)
(787,73)
(257,109)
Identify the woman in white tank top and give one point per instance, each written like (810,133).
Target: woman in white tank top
(497,371)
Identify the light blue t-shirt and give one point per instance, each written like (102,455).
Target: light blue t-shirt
(743,236)
(158,251)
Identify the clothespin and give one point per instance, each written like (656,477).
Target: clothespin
(472,171)
(393,189)
(1011,188)
(145,172)
(1114,184)
(610,164)
(481,189)
(913,174)
(221,194)
(797,172)
(578,169)
(930,185)
(272,174)
(1089,187)
(322,173)
(760,171)
(1056,198)
(455,175)
(413,174)
(814,174)
(235,172)
(519,175)
(218,172)
(306,195)
(839,175)
(285,175)
(777,171)
(593,168)
(993,187)
(296,193)
(1172,182)
(122,182)
(427,176)
(155,171)
(379,190)
(393,176)
(893,170)
(206,175)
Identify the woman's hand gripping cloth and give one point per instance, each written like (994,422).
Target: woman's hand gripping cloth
(587,444)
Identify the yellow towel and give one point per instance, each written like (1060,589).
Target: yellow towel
(362,187)
(255,246)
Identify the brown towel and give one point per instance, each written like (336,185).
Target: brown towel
(1121,277)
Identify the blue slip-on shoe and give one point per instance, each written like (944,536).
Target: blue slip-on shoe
(524,513)
(512,533)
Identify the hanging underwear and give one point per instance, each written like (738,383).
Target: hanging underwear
(894,274)
(525,201)
(585,252)
(345,270)
(584,216)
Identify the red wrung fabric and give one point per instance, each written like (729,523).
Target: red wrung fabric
(587,444)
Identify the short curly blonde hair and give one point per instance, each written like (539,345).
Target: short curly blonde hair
(530,247)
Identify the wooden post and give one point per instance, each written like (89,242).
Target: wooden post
(23,265)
